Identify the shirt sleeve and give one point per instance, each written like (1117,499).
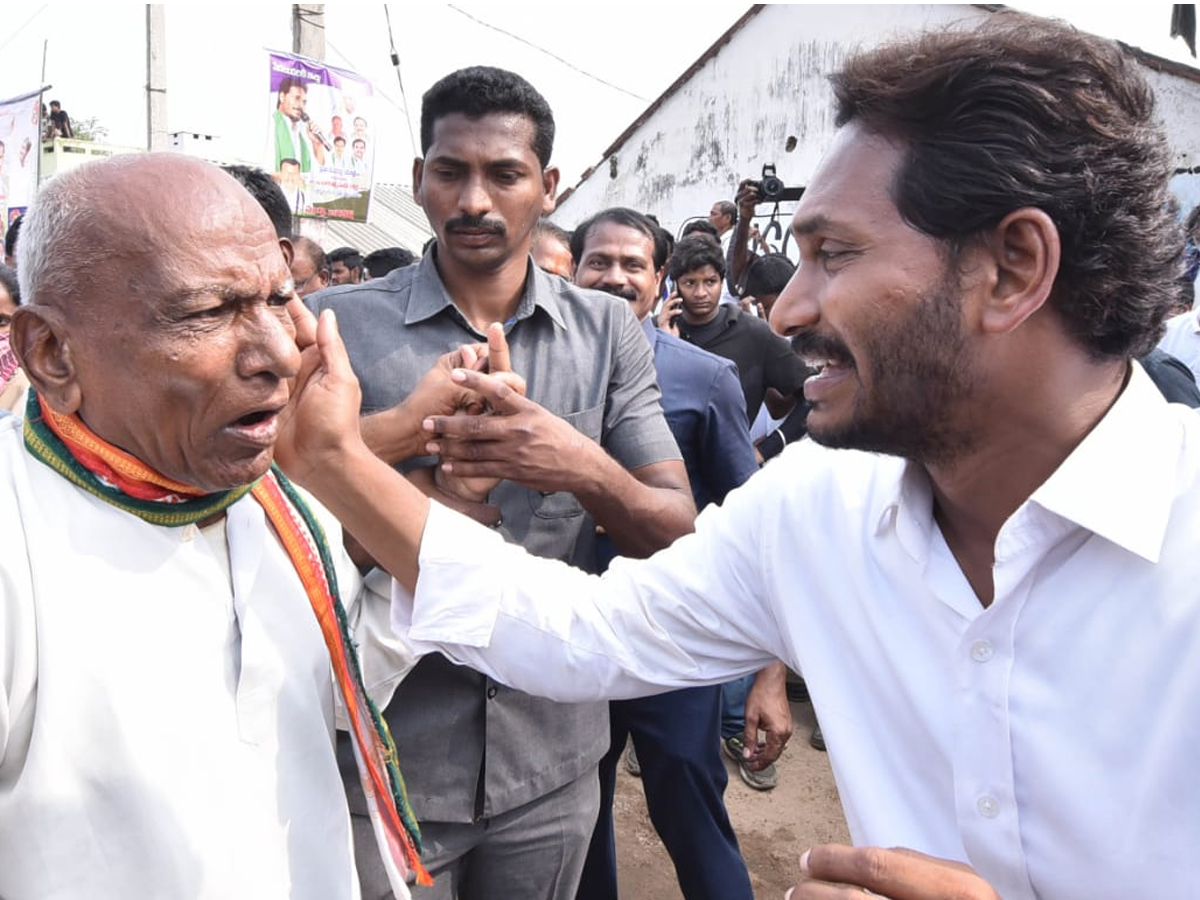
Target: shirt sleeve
(728,458)
(635,431)
(696,613)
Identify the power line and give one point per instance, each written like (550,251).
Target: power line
(14,35)
(399,80)
(569,65)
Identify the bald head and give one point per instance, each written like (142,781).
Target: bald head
(157,292)
(121,215)
(310,266)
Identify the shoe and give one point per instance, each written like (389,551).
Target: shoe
(816,739)
(632,766)
(796,689)
(762,780)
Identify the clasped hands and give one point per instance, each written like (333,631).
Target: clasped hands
(469,410)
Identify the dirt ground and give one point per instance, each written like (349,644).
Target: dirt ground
(773,827)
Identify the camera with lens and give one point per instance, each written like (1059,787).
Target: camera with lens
(771,186)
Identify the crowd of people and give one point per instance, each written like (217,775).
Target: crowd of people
(334,575)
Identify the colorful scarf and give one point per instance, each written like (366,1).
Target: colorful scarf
(69,447)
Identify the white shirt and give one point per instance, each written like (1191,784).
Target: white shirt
(1051,740)
(166,720)
(1182,339)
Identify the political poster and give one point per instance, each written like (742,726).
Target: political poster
(19,121)
(321,138)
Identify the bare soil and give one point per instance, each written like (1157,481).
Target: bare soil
(773,827)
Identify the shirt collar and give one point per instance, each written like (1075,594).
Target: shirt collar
(429,297)
(1118,483)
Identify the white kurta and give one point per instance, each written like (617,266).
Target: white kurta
(160,734)
(1050,740)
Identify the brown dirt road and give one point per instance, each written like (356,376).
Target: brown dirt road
(773,827)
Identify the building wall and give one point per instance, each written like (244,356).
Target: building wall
(764,98)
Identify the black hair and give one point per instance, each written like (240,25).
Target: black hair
(1028,112)
(694,252)
(10,236)
(480,90)
(288,83)
(268,193)
(8,278)
(629,218)
(703,226)
(347,256)
(379,262)
(768,275)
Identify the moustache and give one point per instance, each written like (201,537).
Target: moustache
(475,223)
(625,293)
(818,346)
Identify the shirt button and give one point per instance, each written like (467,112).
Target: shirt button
(981,651)
(491,692)
(988,806)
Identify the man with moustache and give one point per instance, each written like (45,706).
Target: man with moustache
(999,528)
(505,784)
(621,252)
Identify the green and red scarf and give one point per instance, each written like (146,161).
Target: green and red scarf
(71,449)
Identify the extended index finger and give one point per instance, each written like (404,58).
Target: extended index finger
(499,359)
(303,321)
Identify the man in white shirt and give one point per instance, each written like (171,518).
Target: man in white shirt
(166,697)
(996,607)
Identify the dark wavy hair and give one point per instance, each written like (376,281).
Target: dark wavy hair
(479,90)
(1027,112)
(629,218)
(695,252)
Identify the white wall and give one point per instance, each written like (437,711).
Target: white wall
(768,84)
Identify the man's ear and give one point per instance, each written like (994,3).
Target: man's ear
(39,337)
(1022,253)
(418,171)
(550,178)
(289,251)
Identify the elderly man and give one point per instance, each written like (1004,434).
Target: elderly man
(168,603)
(1018,539)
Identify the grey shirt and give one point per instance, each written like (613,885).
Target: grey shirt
(584,358)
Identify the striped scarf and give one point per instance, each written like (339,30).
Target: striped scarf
(70,448)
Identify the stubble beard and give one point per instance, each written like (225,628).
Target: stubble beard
(921,404)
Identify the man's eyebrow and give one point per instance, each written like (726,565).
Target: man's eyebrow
(811,224)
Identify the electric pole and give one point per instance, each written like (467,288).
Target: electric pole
(308,30)
(156,77)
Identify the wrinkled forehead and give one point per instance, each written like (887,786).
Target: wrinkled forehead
(177,226)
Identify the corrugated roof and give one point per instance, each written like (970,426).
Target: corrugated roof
(396,220)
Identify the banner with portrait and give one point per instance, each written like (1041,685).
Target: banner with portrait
(321,138)
(20,118)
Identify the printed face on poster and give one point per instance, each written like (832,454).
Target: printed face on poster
(321,138)
(19,120)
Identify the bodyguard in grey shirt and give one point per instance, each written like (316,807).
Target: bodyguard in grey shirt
(505,784)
